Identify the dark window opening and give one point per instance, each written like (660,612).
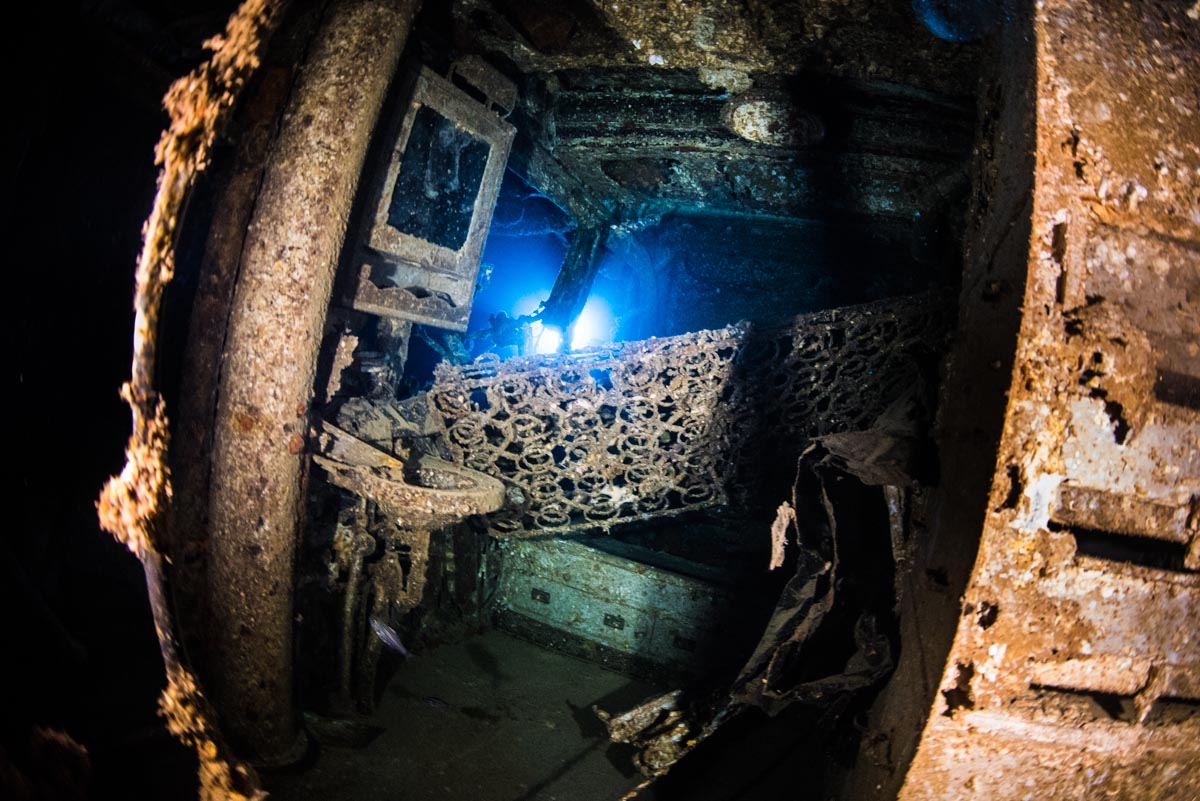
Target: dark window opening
(440,172)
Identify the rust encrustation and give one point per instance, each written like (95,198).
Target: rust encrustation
(651,429)
(133,505)
(1085,678)
(266,383)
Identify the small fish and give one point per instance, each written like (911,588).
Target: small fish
(435,702)
(388,636)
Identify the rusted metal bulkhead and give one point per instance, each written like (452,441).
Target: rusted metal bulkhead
(1075,668)
(283,290)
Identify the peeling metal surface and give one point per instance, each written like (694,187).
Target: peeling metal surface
(1075,669)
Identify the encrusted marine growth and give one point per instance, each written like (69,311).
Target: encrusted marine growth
(659,427)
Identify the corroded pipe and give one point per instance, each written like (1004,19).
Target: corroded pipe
(574,281)
(236,188)
(266,384)
(362,545)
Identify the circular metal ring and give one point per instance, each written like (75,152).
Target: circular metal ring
(451,402)
(636,443)
(527,426)
(506,523)
(512,390)
(552,516)
(467,433)
(653,502)
(536,460)
(544,489)
(601,507)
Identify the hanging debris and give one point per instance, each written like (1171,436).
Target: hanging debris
(785,517)
(779,671)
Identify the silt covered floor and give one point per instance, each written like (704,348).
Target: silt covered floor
(496,718)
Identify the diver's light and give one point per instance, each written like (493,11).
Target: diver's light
(594,326)
(528,304)
(546,339)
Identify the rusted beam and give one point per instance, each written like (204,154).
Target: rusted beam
(545,173)
(133,504)
(574,280)
(256,124)
(266,384)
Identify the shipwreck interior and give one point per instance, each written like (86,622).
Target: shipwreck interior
(601,400)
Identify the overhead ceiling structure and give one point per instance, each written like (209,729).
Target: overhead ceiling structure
(783,126)
(794,110)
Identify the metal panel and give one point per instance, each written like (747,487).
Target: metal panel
(419,251)
(1074,669)
(628,606)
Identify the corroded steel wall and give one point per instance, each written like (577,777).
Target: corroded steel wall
(1075,669)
